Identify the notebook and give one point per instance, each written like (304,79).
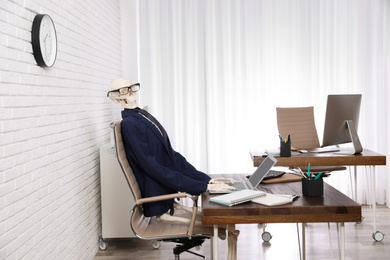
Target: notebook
(273,200)
(254,180)
(237,197)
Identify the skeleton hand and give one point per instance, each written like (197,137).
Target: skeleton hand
(221,180)
(220,187)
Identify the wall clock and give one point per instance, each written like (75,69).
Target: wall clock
(44,40)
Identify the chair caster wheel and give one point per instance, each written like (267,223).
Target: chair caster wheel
(222,237)
(360,222)
(266,236)
(378,236)
(156,244)
(102,244)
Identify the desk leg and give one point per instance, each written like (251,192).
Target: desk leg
(227,248)
(215,243)
(342,242)
(374,195)
(303,242)
(376,235)
(355,175)
(370,173)
(231,248)
(212,248)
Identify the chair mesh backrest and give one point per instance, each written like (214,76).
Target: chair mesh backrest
(121,156)
(298,122)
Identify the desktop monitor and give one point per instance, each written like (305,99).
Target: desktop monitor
(341,121)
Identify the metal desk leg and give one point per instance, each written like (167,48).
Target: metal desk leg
(355,175)
(212,249)
(227,243)
(215,243)
(303,242)
(342,242)
(232,256)
(373,188)
(376,235)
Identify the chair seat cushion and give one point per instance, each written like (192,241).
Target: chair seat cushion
(151,228)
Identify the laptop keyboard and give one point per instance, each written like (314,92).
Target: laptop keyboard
(239,186)
(273,174)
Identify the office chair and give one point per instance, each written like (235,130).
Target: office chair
(187,235)
(298,122)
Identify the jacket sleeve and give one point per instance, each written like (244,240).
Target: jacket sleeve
(189,170)
(151,155)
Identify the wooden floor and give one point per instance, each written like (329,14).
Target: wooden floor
(283,245)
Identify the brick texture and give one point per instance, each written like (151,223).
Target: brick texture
(52,123)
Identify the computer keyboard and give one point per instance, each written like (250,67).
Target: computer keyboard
(324,150)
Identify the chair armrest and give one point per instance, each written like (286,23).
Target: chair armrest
(162,197)
(174,196)
(194,214)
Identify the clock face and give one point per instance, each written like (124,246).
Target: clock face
(44,40)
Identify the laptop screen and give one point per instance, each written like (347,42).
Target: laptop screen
(262,170)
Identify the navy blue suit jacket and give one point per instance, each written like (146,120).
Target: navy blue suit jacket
(159,169)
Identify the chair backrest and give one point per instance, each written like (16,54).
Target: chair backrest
(138,221)
(146,227)
(298,122)
(121,156)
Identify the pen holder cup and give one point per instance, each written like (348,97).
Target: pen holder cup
(285,149)
(312,187)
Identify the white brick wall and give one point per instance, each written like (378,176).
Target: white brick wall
(52,123)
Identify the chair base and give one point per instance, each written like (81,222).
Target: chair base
(186,244)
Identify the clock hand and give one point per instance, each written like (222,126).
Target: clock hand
(44,42)
(48,45)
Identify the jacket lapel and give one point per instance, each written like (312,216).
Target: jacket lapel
(151,126)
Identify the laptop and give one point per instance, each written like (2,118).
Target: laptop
(254,180)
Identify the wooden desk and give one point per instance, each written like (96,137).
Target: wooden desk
(332,207)
(366,158)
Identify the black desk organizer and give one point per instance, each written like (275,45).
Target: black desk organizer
(285,147)
(312,187)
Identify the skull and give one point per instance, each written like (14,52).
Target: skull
(122,91)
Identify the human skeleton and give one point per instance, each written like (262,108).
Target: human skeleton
(122,91)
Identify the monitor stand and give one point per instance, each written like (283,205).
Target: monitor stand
(357,146)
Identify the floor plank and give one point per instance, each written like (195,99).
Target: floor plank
(359,243)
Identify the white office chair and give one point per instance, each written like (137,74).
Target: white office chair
(187,235)
(298,122)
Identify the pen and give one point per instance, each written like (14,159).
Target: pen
(302,172)
(285,140)
(281,139)
(318,176)
(308,171)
